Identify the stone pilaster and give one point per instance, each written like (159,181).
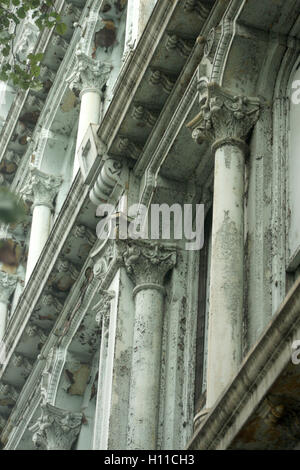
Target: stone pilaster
(7,286)
(103,309)
(147,266)
(225,121)
(42,189)
(56,429)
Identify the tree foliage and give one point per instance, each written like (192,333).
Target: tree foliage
(12,209)
(24,73)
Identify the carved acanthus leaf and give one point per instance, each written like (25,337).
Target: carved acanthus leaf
(148,263)
(41,188)
(56,429)
(88,73)
(223,115)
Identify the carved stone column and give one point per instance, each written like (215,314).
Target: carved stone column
(42,188)
(88,78)
(225,121)
(7,286)
(56,429)
(147,265)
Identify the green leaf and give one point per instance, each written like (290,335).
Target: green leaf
(61,28)
(21,12)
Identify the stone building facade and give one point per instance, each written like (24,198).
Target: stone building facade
(112,343)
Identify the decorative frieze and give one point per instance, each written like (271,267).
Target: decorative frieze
(8,284)
(129,148)
(180,45)
(34,103)
(2,423)
(56,429)
(224,117)
(82,232)
(47,74)
(48,300)
(191,6)
(34,331)
(59,42)
(212,43)
(12,157)
(65,266)
(7,391)
(70,9)
(18,360)
(143,115)
(159,78)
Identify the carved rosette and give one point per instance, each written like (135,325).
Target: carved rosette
(224,117)
(88,74)
(56,429)
(147,265)
(8,284)
(42,188)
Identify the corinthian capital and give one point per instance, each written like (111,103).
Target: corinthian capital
(88,74)
(224,117)
(148,264)
(56,429)
(7,286)
(41,188)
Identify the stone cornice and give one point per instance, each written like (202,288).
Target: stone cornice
(134,69)
(267,358)
(22,96)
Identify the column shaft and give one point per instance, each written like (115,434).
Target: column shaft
(227,271)
(89,114)
(225,120)
(40,229)
(145,378)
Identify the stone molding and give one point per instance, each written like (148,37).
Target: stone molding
(103,308)
(56,429)
(224,118)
